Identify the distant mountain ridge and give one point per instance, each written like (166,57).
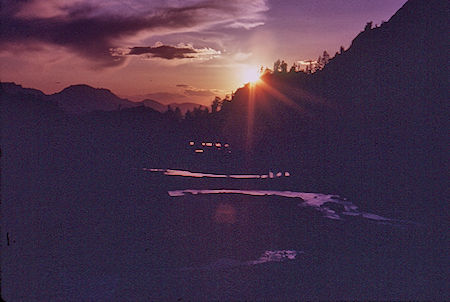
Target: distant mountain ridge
(153,104)
(82,98)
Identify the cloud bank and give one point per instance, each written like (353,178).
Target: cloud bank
(91,29)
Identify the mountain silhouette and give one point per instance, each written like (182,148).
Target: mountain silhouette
(375,118)
(83,98)
(77,99)
(13,88)
(396,59)
(390,75)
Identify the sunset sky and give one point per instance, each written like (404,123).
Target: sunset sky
(171,51)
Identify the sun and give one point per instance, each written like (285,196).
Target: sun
(250,74)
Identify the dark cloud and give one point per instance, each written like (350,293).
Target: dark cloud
(168,52)
(91,37)
(93,33)
(164,52)
(183,86)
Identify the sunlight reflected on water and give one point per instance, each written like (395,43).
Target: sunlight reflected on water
(185,173)
(225,214)
(275,256)
(266,257)
(331,206)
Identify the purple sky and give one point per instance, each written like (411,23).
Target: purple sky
(174,50)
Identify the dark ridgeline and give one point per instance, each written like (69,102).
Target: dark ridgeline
(83,98)
(391,92)
(371,125)
(79,99)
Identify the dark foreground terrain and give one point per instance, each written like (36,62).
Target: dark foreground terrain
(118,235)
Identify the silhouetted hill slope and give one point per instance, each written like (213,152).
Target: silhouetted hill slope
(405,56)
(375,119)
(13,88)
(391,92)
(390,88)
(31,131)
(394,75)
(19,102)
(42,141)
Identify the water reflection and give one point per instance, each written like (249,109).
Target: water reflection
(171,172)
(185,173)
(204,228)
(275,256)
(266,257)
(221,228)
(225,213)
(331,206)
(212,229)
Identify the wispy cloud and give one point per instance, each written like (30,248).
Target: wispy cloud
(247,24)
(91,28)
